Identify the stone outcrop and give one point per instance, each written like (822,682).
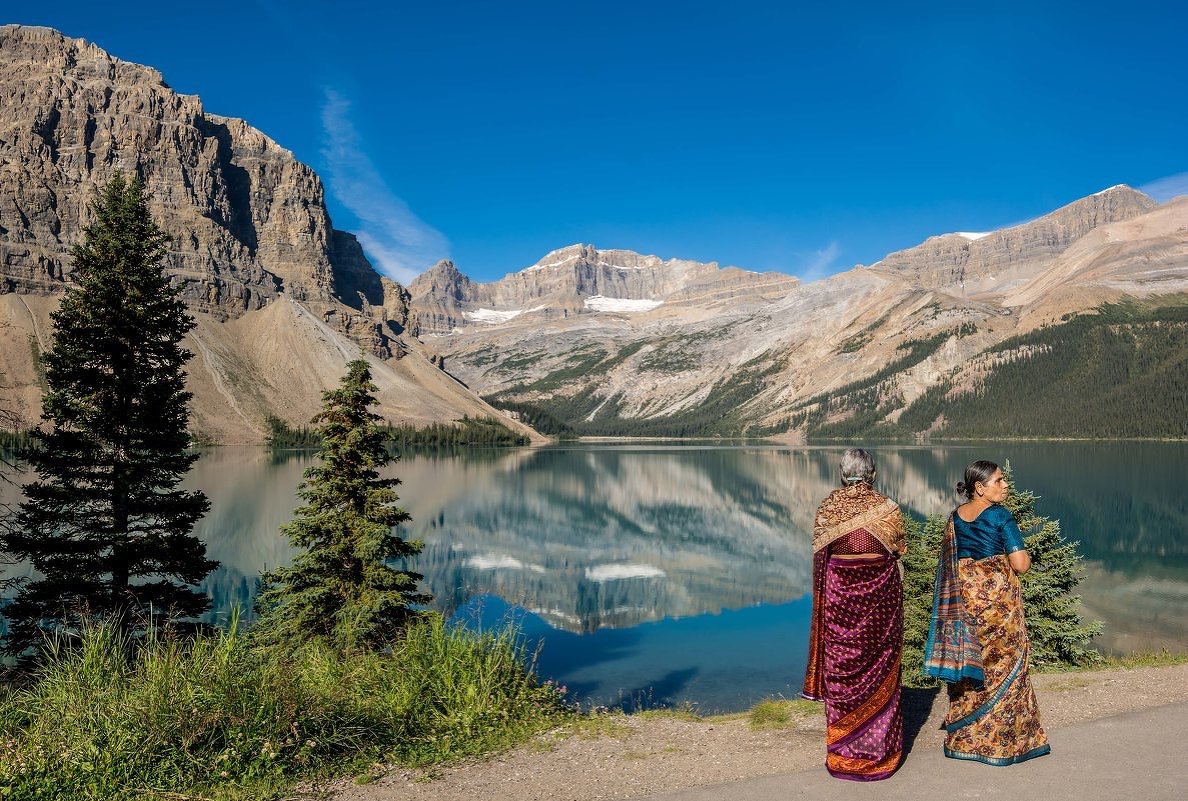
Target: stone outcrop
(281,298)
(752,348)
(249,221)
(560,284)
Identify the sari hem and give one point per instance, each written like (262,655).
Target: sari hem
(1000,762)
(862,777)
(990,703)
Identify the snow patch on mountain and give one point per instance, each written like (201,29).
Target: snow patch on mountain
(627,305)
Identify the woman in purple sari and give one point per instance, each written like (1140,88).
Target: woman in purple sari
(856,633)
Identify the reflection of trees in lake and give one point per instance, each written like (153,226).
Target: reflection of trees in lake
(1123,502)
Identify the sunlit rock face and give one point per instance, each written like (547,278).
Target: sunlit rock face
(251,219)
(281,297)
(613,335)
(991,262)
(579,280)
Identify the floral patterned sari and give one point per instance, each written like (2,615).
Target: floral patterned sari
(996,722)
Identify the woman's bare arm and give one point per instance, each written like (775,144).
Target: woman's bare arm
(1020,561)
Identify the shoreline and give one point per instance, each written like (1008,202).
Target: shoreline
(631,756)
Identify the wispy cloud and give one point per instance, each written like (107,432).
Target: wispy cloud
(819,263)
(401,244)
(1165,189)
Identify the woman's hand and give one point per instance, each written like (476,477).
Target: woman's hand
(1020,561)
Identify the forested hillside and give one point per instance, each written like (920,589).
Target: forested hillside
(1118,371)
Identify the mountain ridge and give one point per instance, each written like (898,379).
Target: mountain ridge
(579,279)
(604,341)
(253,244)
(748,365)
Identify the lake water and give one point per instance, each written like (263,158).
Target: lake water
(663,574)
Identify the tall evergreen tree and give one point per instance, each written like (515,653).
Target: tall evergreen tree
(104,523)
(1058,635)
(341,588)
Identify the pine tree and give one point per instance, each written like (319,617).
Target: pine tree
(104,523)
(1058,635)
(341,589)
(919,577)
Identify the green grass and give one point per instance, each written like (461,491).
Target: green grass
(772,713)
(1139,659)
(216,718)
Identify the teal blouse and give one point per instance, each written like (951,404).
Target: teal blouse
(993,532)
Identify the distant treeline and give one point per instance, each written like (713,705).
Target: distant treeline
(1121,371)
(467,431)
(282,435)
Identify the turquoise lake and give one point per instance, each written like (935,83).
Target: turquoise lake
(655,574)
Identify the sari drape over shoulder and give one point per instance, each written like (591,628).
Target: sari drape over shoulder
(993,715)
(953,651)
(856,633)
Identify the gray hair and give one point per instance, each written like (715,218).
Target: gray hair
(857,465)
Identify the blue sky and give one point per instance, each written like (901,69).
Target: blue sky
(771,137)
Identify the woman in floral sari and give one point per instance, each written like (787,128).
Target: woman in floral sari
(856,633)
(978,641)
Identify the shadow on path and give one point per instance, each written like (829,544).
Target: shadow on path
(917,705)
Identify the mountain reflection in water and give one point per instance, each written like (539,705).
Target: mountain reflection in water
(659,572)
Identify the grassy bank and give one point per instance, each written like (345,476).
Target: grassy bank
(217,718)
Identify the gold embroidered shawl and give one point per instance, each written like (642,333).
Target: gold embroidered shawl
(858,506)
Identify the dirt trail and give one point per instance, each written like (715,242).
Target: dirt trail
(646,755)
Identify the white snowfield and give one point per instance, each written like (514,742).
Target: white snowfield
(600,303)
(974,234)
(496,316)
(601,573)
(498,561)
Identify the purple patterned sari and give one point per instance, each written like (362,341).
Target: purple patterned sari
(855,643)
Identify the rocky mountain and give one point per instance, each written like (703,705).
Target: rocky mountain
(282,298)
(988,262)
(581,279)
(585,342)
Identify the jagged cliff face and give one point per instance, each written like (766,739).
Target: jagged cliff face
(579,280)
(730,349)
(282,299)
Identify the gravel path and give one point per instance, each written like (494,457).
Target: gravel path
(642,755)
